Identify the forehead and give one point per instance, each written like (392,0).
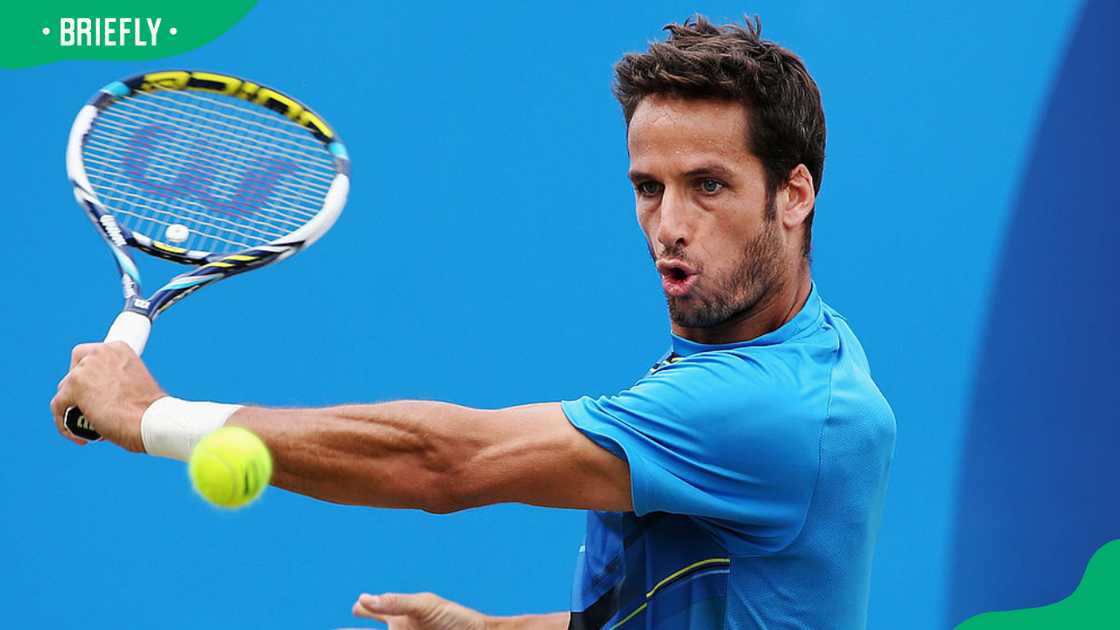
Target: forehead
(666,128)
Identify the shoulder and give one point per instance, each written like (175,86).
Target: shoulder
(786,379)
(751,399)
(857,405)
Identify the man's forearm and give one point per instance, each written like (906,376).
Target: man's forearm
(395,454)
(552,621)
(439,457)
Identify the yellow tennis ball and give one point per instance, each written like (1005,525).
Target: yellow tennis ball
(230,467)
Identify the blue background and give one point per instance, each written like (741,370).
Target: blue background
(489,256)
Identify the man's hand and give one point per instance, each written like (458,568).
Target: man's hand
(425,611)
(421,611)
(111,386)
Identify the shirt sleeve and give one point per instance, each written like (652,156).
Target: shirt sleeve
(718,436)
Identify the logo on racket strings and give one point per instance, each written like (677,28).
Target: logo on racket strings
(163,164)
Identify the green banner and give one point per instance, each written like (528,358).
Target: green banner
(1092,605)
(35,33)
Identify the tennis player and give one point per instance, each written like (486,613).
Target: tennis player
(738,484)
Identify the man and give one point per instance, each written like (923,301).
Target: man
(739,484)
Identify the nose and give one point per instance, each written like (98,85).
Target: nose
(674,223)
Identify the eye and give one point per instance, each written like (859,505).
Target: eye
(710,186)
(648,188)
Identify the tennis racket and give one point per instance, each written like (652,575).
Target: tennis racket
(208,170)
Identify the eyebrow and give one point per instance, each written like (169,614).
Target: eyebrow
(711,168)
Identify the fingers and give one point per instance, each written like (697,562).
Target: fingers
(59,404)
(80,351)
(64,399)
(84,350)
(120,346)
(360,611)
(394,604)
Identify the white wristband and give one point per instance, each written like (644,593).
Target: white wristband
(171,427)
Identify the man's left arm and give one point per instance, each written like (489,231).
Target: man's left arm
(433,456)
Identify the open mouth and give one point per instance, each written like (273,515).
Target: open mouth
(677,277)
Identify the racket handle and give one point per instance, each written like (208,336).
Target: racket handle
(131,328)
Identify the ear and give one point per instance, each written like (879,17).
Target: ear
(796,198)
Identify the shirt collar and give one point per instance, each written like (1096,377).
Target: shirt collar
(809,316)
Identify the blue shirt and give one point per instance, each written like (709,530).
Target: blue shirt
(758,472)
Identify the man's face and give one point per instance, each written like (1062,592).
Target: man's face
(701,201)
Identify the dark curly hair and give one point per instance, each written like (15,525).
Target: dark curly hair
(703,61)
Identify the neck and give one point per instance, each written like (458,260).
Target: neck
(771,313)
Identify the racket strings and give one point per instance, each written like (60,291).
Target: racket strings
(141,217)
(111,145)
(234,174)
(104,150)
(232,145)
(240,230)
(220,122)
(255,117)
(122,199)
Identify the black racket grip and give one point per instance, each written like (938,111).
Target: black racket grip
(78,426)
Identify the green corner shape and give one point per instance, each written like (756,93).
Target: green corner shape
(32,33)
(1095,603)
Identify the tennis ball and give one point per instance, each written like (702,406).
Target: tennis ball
(230,467)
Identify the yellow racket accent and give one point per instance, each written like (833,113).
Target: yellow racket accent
(229,84)
(168,248)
